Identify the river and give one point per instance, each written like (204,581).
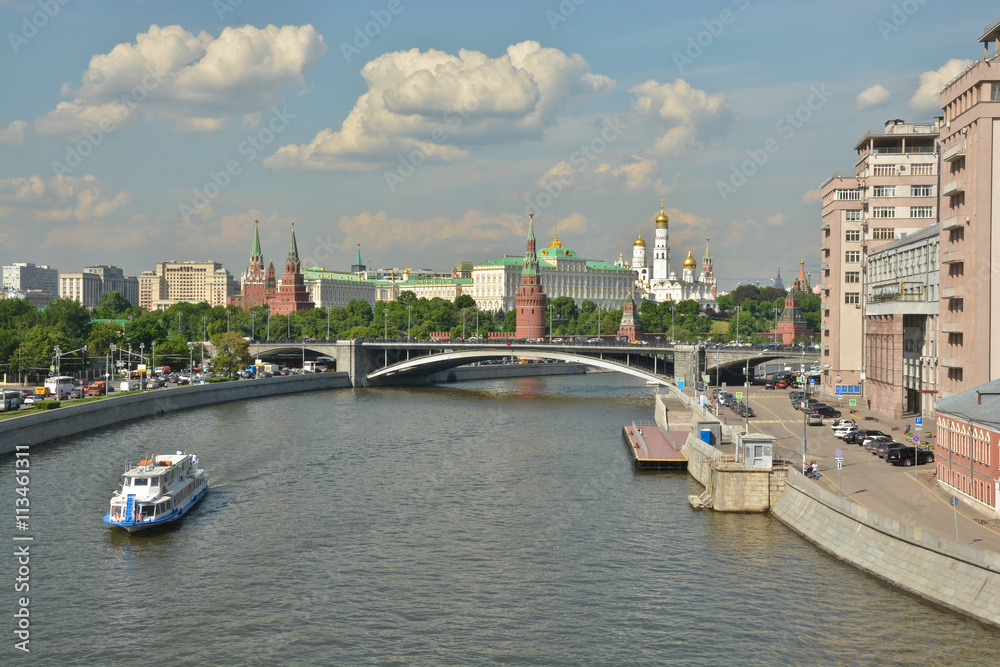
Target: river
(475,523)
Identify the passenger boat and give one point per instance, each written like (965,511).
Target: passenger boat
(157,492)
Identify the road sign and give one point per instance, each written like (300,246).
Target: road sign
(919,421)
(52,368)
(853,402)
(739,395)
(840,464)
(954,501)
(840,390)
(916,439)
(839,454)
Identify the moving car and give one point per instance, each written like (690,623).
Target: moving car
(815,419)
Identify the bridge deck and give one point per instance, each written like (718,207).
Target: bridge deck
(651,448)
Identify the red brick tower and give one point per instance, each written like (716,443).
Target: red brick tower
(292,294)
(629,327)
(530,299)
(270,282)
(791,325)
(252,282)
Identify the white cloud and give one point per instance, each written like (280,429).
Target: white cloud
(928,95)
(872,97)
(440,105)
(811,196)
(14,133)
(475,232)
(631,174)
(61,199)
(199,82)
(684,117)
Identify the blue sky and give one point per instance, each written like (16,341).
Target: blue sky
(137,132)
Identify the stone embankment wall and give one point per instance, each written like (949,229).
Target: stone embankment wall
(730,486)
(48,425)
(935,568)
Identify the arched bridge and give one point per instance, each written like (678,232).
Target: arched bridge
(383,362)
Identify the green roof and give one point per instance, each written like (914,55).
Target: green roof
(606,266)
(503,261)
(317,272)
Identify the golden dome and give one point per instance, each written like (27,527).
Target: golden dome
(689,261)
(662,220)
(639,241)
(556,243)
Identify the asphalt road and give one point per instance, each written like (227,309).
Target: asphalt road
(911,495)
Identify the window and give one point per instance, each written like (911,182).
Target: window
(852,256)
(852,216)
(852,235)
(921,190)
(852,277)
(884,170)
(884,191)
(995,91)
(921,211)
(852,298)
(884,212)
(851,195)
(922,170)
(883,234)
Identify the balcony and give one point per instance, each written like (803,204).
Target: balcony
(956,152)
(825,227)
(952,256)
(952,292)
(950,362)
(953,188)
(951,327)
(825,266)
(954,222)
(823,247)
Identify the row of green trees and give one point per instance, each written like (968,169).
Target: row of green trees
(29,336)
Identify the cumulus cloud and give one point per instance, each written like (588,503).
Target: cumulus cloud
(872,97)
(60,199)
(811,197)
(931,83)
(684,117)
(441,105)
(634,173)
(199,82)
(14,133)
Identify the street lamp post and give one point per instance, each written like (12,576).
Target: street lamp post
(738,309)
(113,347)
(463,324)
(776,325)
(288,326)
(328,322)
(409,313)
(477,321)
(672,308)
(269,323)
(227,320)
(58,360)
(550,322)
(253,322)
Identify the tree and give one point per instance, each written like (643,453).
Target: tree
(111,305)
(464,301)
(232,352)
(726,303)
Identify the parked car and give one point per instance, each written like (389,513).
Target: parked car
(834,423)
(858,437)
(844,431)
(904,456)
(881,448)
(815,419)
(871,441)
(826,410)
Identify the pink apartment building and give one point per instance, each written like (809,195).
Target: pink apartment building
(892,193)
(970,223)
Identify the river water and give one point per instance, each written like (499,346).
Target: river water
(481,523)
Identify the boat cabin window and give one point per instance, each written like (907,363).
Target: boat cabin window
(140,481)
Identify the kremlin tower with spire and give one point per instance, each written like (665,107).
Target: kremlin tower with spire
(292,294)
(260,288)
(530,299)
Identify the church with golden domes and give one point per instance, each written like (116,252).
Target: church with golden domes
(659,282)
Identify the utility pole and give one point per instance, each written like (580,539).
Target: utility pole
(672,308)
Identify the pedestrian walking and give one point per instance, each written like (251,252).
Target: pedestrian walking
(815,470)
(869,404)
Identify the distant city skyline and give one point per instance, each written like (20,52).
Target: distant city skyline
(125,144)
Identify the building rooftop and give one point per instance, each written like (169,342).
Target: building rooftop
(980,405)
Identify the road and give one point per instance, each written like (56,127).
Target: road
(910,495)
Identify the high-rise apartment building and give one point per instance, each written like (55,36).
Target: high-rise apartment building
(193,282)
(88,286)
(970,223)
(893,193)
